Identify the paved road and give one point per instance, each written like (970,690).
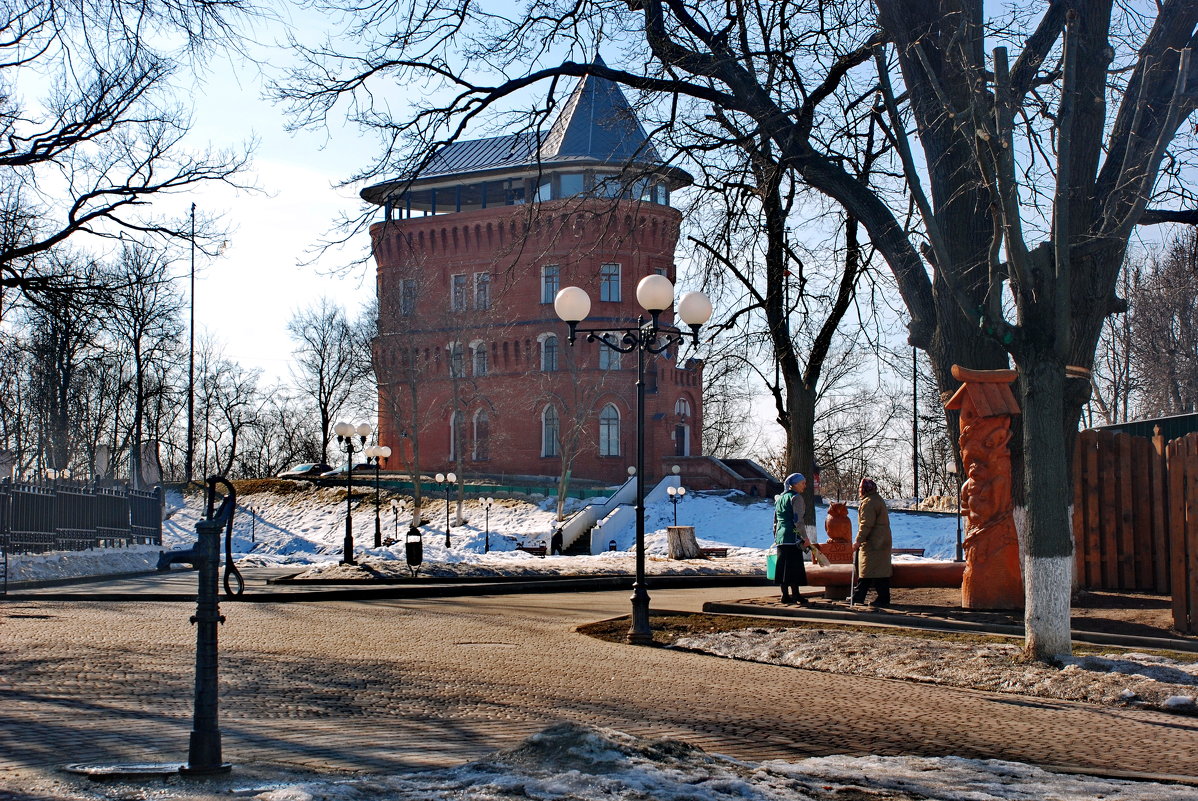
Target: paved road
(389,685)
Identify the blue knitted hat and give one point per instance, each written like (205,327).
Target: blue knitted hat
(792,479)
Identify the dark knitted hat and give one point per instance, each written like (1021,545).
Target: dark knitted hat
(868,486)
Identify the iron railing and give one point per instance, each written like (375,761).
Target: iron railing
(68,516)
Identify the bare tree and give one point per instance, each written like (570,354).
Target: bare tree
(1164,330)
(331,363)
(144,314)
(88,156)
(976,192)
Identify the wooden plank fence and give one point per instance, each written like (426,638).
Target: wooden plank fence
(1135,517)
(1120,494)
(1182,465)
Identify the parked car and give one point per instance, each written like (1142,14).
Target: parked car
(360,467)
(306,470)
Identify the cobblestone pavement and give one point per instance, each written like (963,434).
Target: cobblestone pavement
(385,686)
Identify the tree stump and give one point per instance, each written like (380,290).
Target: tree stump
(681,542)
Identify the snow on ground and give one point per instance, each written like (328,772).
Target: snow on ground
(1113,679)
(569,762)
(304,526)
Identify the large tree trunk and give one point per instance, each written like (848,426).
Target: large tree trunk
(1044,523)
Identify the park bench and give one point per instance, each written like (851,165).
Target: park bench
(714,553)
(908,551)
(535,550)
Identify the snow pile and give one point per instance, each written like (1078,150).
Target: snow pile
(569,762)
(1112,679)
(299,524)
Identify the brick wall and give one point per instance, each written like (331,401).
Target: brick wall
(503,407)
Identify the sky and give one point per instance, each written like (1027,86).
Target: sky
(245,296)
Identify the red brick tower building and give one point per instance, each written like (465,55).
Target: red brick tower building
(475,374)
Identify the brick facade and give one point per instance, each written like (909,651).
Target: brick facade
(477,278)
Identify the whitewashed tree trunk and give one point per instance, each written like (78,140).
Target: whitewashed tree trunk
(681,542)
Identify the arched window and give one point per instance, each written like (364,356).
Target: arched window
(455,435)
(550,432)
(682,408)
(482,436)
(457,366)
(480,358)
(609,431)
(549,354)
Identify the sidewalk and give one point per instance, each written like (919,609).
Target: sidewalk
(390,685)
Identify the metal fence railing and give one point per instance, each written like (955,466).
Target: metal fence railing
(65,516)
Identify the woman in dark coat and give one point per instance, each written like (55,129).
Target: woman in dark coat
(872,548)
(791,539)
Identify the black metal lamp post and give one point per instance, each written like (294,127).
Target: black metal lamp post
(487,504)
(376,455)
(448,480)
(952,468)
(675,494)
(655,294)
(345,439)
(395,519)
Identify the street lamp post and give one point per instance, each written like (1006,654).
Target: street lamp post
(377,454)
(952,468)
(655,294)
(487,504)
(675,494)
(448,480)
(345,438)
(395,520)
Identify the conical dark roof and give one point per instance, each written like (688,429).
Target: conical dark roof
(596,125)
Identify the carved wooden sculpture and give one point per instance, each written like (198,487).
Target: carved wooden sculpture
(992,576)
(839,547)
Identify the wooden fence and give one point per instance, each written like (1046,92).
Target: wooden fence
(1182,456)
(1135,517)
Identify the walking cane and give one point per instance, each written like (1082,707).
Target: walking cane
(853,584)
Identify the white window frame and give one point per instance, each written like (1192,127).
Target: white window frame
(682,407)
(477,348)
(407,300)
(549,293)
(457,352)
(609,359)
(609,431)
(550,445)
(454,305)
(480,414)
(610,290)
(482,291)
(541,340)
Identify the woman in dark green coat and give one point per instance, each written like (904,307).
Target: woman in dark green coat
(791,539)
(872,548)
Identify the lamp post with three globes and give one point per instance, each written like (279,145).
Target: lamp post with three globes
(655,294)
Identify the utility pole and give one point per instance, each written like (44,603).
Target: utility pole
(189,458)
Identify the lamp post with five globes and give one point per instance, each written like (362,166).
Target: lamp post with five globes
(345,438)
(655,294)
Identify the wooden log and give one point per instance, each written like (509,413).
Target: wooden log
(1160,517)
